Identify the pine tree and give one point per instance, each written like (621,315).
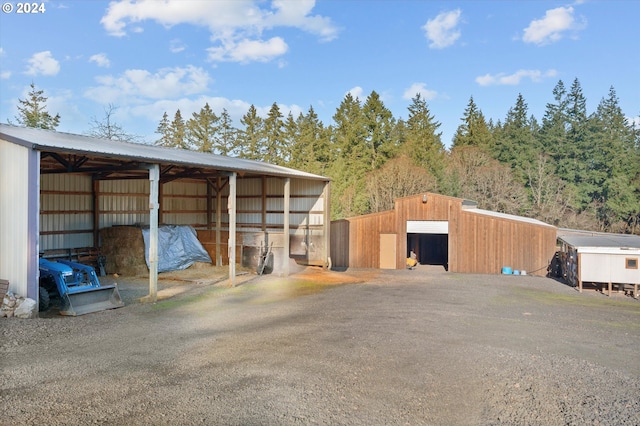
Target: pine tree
(351,164)
(275,151)
(611,165)
(474,130)
(423,142)
(202,129)
(515,142)
(163,131)
(379,145)
(32,112)
(250,139)
(225,142)
(179,132)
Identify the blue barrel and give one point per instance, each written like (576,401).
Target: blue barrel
(506,270)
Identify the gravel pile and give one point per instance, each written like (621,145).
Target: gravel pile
(419,347)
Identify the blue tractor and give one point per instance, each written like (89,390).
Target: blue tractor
(79,288)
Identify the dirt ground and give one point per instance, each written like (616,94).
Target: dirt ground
(360,347)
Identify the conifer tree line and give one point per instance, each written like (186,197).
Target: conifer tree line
(572,169)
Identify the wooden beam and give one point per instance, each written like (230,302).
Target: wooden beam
(95,195)
(154,189)
(286,251)
(218,222)
(326,223)
(231,207)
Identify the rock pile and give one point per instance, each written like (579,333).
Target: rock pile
(17,306)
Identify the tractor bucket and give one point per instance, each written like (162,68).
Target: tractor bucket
(91,300)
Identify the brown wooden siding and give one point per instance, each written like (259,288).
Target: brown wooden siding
(477,243)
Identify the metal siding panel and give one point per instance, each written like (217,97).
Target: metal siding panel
(14,208)
(428,226)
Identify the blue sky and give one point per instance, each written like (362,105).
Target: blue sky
(147,57)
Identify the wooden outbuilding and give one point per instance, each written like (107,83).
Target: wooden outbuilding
(446,231)
(60,190)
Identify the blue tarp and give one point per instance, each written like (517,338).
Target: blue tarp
(178,247)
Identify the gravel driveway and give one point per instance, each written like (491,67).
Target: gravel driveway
(420,347)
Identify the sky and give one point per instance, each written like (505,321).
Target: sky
(144,58)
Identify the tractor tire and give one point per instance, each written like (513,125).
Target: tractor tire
(44,299)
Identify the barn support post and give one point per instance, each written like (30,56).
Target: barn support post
(95,187)
(287,198)
(154,189)
(218,221)
(231,207)
(264,204)
(327,224)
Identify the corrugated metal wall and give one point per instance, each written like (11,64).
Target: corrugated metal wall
(67,212)
(14,205)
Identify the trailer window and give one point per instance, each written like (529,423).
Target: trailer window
(631,262)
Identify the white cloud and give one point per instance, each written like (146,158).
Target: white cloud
(236,26)
(420,88)
(442,31)
(4,75)
(176,46)
(503,79)
(43,63)
(101,60)
(249,50)
(140,84)
(552,27)
(356,92)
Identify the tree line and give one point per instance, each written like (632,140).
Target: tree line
(572,168)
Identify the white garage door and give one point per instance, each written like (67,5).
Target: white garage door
(427,227)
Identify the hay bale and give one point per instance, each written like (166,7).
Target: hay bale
(123,248)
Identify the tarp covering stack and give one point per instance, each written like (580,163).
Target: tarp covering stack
(178,247)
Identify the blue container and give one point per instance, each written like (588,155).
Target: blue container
(506,270)
(516,272)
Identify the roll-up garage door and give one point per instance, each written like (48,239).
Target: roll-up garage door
(427,227)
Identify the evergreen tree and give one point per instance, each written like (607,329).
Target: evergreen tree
(351,164)
(310,150)
(290,136)
(379,123)
(178,132)
(202,130)
(423,142)
(515,142)
(611,165)
(225,141)
(250,139)
(32,112)
(275,151)
(474,130)
(163,131)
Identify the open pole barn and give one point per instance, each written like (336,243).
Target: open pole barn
(446,231)
(600,260)
(61,192)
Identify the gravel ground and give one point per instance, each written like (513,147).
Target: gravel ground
(420,347)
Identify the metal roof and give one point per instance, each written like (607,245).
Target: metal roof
(598,239)
(507,216)
(68,143)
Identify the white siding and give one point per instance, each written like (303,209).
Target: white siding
(427,227)
(608,268)
(14,207)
